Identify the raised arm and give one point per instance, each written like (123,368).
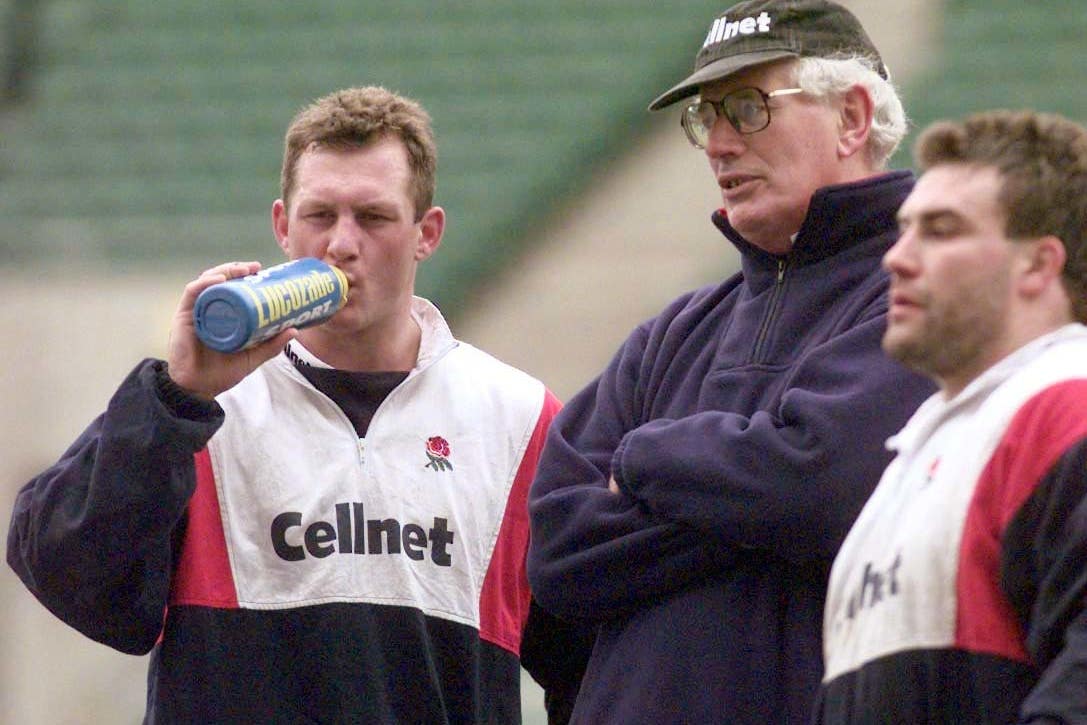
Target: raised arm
(92,536)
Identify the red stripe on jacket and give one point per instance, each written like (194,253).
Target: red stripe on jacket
(1039,433)
(203,575)
(504,598)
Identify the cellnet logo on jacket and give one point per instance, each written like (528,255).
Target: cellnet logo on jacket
(354,534)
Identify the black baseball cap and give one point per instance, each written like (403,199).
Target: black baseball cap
(759,31)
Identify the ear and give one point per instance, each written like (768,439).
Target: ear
(1042,264)
(431,227)
(854,121)
(279,225)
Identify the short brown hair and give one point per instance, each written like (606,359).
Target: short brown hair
(354,117)
(1042,161)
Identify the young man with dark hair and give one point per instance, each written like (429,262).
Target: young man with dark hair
(959,594)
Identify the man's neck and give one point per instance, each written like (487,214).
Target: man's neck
(380,348)
(1014,340)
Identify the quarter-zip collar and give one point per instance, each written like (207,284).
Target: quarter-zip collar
(936,409)
(839,216)
(436,340)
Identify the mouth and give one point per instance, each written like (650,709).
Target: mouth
(352,293)
(734,182)
(901,303)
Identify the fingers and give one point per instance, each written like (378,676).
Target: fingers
(230,270)
(192,365)
(258,354)
(213,276)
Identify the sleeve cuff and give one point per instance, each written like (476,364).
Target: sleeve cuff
(180,401)
(617,464)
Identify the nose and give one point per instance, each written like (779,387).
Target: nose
(900,259)
(344,240)
(724,141)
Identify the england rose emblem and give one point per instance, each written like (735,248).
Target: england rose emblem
(437,450)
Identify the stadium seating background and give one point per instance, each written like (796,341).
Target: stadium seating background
(147,142)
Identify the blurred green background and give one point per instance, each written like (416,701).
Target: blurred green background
(141,143)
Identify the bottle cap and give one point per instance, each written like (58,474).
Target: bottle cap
(224,325)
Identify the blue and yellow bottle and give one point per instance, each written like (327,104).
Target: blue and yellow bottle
(243,312)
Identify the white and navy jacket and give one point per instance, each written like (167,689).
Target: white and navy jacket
(958,595)
(298,573)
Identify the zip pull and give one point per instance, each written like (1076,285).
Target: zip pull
(771,314)
(362,450)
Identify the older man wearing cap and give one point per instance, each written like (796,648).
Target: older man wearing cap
(690,500)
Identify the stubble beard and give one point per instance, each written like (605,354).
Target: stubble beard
(953,337)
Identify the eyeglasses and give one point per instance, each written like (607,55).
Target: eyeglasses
(746,109)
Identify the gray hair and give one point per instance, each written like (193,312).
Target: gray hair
(826,78)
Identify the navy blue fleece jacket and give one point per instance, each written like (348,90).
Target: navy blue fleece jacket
(745,427)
